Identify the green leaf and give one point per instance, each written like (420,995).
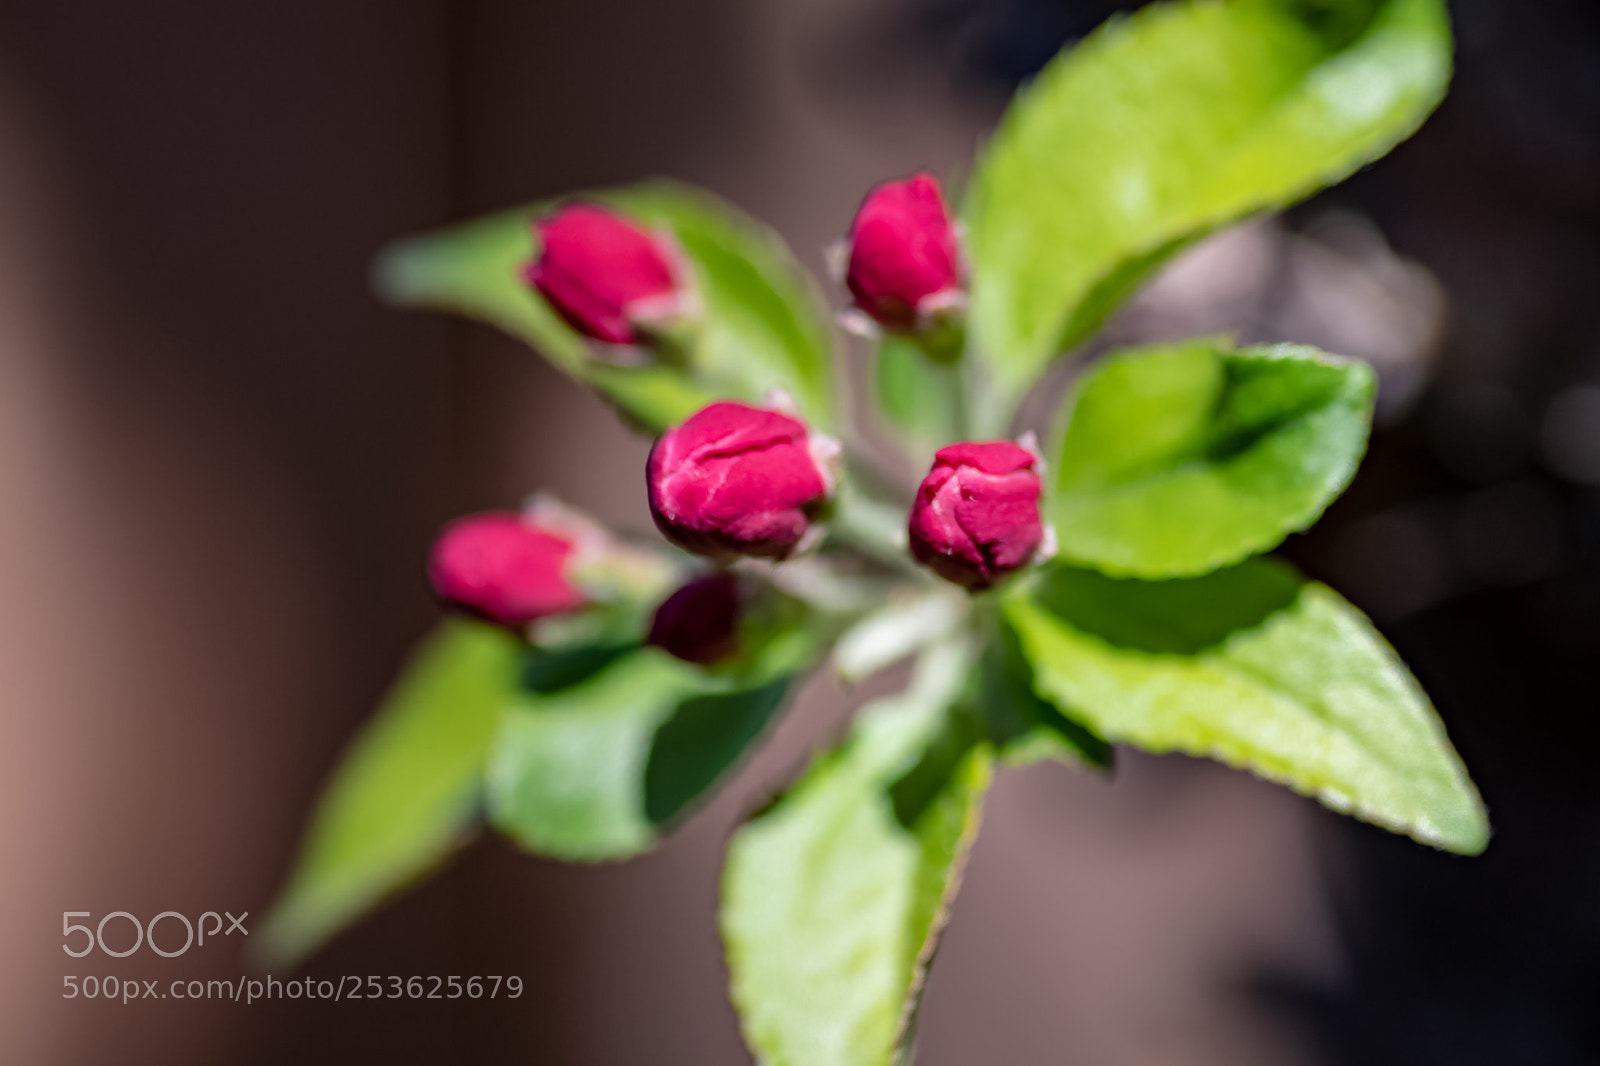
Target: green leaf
(1024,728)
(599,769)
(763,329)
(915,394)
(546,670)
(405,793)
(1167,125)
(834,897)
(1259,668)
(767,321)
(1181,458)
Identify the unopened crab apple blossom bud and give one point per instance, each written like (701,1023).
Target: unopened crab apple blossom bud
(604,274)
(501,567)
(699,623)
(737,480)
(975,520)
(905,259)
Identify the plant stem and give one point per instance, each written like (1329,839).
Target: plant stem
(873,528)
(957,376)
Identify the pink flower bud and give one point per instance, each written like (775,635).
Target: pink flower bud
(737,480)
(604,274)
(976,515)
(699,623)
(500,566)
(905,263)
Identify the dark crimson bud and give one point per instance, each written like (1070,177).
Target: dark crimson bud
(905,260)
(604,274)
(699,623)
(502,567)
(737,480)
(976,516)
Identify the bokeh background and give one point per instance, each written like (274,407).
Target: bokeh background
(221,462)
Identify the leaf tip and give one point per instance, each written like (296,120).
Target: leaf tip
(1466,833)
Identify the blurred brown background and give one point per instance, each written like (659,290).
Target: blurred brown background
(221,462)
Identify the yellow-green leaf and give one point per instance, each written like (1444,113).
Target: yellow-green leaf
(1167,125)
(405,793)
(834,896)
(1259,668)
(1181,458)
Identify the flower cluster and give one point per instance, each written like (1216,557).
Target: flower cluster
(739,481)
(604,689)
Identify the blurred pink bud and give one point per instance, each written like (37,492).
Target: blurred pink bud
(976,515)
(699,623)
(500,566)
(738,480)
(604,274)
(905,263)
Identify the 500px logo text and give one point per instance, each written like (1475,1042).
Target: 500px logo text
(146,933)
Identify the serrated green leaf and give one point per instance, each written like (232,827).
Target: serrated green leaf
(405,792)
(834,897)
(1259,668)
(1170,124)
(1181,458)
(599,769)
(763,329)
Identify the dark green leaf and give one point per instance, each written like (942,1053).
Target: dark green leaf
(1172,123)
(834,897)
(598,769)
(763,328)
(1259,668)
(704,736)
(546,670)
(406,791)
(1182,458)
(1023,727)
